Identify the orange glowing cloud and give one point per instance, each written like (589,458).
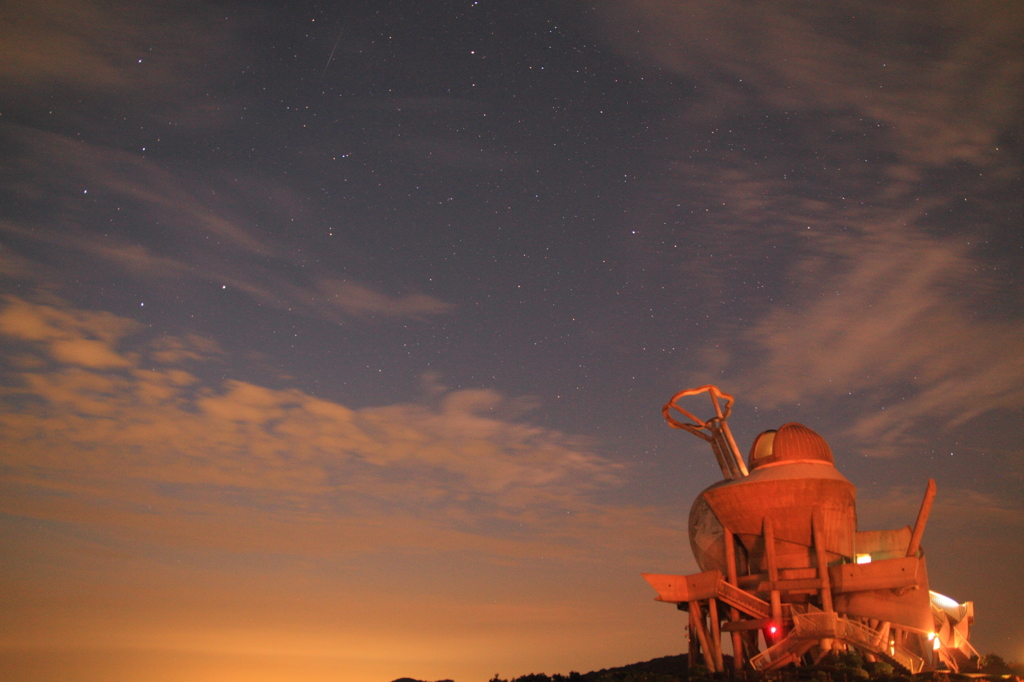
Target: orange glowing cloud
(358,299)
(151,516)
(97,425)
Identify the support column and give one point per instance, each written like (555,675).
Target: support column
(734,615)
(693,644)
(817,528)
(716,635)
(817,532)
(697,620)
(773,574)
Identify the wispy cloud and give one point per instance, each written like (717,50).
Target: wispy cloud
(97,47)
(196,237)
(945,99)
(855,276)
(957,513)
(888,315)
(114,428)
(358,299)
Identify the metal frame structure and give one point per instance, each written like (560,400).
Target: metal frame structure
(788,577)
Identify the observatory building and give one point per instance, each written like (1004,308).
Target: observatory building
(786,574)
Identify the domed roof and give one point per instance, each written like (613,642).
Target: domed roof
(789,443)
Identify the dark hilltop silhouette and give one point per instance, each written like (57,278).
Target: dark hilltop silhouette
(842,667)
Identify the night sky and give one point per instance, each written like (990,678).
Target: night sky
(335,335)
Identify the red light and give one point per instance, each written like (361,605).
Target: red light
(772,629)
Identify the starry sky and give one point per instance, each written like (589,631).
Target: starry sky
(335,335)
